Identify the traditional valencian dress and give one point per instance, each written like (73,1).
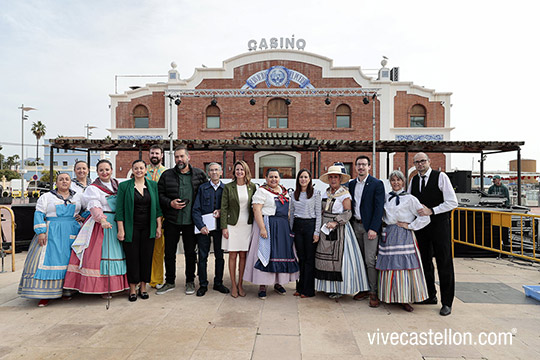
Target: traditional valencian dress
(45,266)
(339,264)
(97,264)
(272,260)
(401,277)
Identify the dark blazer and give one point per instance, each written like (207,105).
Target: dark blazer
(125,205)
(230,206)
(169,187)
(371,204)
(206,201)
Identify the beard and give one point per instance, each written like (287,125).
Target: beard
(180,165)
(155,160)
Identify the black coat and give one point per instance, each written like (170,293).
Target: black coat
(168,187)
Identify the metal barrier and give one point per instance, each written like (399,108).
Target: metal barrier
(12,250)
(512,234)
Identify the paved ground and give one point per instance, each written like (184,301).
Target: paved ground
(489,299)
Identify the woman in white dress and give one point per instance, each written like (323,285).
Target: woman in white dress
(236,220)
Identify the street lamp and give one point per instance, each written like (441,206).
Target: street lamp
(88,128)
(23,117)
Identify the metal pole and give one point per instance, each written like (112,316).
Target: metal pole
(319,163)
(224,167)
(171,150)
(387,165)
(374,138)
(406,172)
(51,168)
(519,176)
(481,171)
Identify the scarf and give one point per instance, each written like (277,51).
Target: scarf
(394,194)
(66,201)
(339,192)
(281,195)
(79,184)
(99,184)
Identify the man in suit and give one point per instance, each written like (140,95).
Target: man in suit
(367,205)
(208,201)
(435,192)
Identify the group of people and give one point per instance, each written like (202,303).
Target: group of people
(352,239)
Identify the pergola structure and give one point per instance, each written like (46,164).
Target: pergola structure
(287,141)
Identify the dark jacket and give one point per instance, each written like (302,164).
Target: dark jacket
(206,201)
(371,204)
(230,204)
(125,205)
(169,185)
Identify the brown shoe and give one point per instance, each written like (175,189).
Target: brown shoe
(361,295)
(373,301)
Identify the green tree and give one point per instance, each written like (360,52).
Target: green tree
(45,176)
(12,161)
(9,174)
(38,129)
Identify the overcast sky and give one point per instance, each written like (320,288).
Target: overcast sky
(62,56)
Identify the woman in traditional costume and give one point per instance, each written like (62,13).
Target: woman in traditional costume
(56,226)
(97,264)
(271,259)
(236,222)
(401,277)
(138,217)
(339,265)
(81,180)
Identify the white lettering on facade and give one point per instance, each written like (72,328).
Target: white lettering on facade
(273,43)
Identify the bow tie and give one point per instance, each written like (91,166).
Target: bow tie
(393,194)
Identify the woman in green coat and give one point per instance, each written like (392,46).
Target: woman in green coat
(236,222)
(138,216)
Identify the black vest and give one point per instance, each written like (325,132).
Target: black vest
(431,196)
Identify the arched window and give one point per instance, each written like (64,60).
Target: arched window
(343,116)
(286,165)
(212,117)
(140,117)
(418,116)
(278,113)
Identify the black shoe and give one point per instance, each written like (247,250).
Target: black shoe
(428,301)
(221,288)
(132,297)
(445,310)
(143,295)
(202,290)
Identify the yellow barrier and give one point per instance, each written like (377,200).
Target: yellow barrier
(12,251)
(512,234)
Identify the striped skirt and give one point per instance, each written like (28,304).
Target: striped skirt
(403,286)
(32,288)
(353,269)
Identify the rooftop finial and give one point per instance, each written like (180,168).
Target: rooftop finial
(384,61)
(173,65)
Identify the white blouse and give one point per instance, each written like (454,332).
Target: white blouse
(47,204)
(337,208)
(94,197)
(265,197)
(79,190)
(406,211)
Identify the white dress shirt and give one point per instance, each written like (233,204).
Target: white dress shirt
(358,191)
(450,200)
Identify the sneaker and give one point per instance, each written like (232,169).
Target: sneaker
(165,288)
(159,286)
(190,288)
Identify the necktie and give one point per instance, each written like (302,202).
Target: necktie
(423,185)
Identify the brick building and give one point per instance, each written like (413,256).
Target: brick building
(403,111)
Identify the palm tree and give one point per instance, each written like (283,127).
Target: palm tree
(38,129)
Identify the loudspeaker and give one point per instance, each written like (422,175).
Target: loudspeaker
(461,181)
(24,220)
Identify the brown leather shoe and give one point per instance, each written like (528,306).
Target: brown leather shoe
(361,295)
(373,301)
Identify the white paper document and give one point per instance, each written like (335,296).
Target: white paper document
(209,220)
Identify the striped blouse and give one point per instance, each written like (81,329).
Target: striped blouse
(306,208)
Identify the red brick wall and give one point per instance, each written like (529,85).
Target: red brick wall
(403,103)
(156,111)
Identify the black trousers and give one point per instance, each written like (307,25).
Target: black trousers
(305,249)
(172,236)
(434,240)
(139,253)
(203,243)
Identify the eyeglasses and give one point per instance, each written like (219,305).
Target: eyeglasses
(423,161)
(362,164)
